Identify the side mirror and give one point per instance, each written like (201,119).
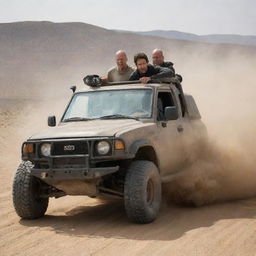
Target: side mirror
(51,121)
(171,113)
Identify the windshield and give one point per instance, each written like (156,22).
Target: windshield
(133,103)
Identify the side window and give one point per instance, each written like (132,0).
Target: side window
(164,99)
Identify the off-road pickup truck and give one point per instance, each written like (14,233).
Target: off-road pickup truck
(121,140)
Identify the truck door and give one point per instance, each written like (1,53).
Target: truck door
(169,134)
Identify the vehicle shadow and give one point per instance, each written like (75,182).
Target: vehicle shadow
(108,220)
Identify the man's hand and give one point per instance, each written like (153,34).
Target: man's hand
(104,79)
(145,79)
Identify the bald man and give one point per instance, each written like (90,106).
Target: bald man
(158,60)
(122,71)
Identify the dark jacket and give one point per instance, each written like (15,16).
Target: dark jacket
(152,72)
(168,64)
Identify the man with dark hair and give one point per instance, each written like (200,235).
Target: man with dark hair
(158,60)
(146,72)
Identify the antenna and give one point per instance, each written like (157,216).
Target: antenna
(73,88)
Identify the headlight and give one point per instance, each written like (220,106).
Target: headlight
(46,149)
(103,148)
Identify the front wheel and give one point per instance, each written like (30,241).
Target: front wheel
(142,192)
(26,194)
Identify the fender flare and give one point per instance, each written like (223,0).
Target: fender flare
(139,144)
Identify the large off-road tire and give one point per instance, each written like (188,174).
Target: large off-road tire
(142,192)
(25,193)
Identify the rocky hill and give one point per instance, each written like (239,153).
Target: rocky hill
(41,58)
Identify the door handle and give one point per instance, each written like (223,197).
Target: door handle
(180,128)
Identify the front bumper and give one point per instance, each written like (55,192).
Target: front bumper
(81,164)
(73,173)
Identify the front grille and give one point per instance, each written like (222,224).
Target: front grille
(69,162)
(70,148)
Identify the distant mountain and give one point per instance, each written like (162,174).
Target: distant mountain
(214,38)
(39,59)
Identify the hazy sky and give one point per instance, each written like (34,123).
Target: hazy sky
(194,16)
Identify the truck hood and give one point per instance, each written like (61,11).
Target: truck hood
(92,128)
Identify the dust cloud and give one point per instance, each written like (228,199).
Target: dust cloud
(220,173)
(223,167)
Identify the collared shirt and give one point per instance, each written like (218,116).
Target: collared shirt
(115,75)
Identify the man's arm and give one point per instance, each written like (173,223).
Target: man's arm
(172,68)
(134,76)
(169,65)
(162,73)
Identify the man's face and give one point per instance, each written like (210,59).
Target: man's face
(157,58)
(142,65)
(121,61)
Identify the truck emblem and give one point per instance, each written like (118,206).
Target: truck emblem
(69,147)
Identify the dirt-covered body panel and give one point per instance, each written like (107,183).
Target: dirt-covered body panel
(103,131)
(94,128)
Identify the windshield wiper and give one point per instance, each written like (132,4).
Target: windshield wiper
(118,116)
(74,119)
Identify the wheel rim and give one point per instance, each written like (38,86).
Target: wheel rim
(150,192)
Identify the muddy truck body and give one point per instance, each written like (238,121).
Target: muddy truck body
(121,141)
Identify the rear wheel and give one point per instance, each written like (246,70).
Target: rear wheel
(142,192)
(26,194)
